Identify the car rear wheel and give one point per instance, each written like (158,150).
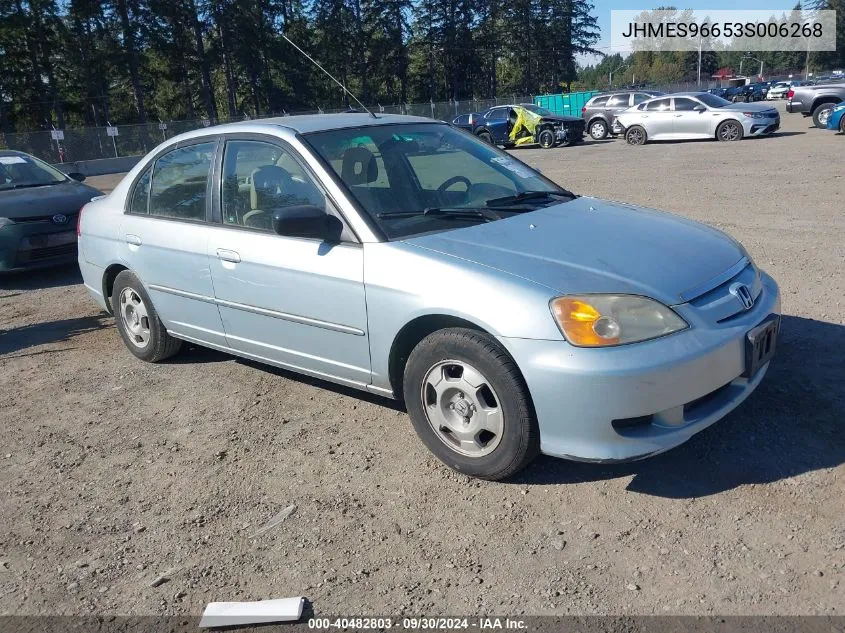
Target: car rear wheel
(486,137)
(137,320)
(546,139)
(598,130)
(822,113)
(729,131)
(469,404)
(636,135)
(842,124)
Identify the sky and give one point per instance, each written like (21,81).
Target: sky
(604,7)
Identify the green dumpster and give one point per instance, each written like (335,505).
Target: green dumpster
(569,103)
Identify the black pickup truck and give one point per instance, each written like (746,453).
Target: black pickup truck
(816,101)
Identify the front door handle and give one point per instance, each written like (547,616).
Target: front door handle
(133,240)
(677,115)
(228,256)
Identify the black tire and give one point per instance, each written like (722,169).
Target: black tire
(821,114)
(546,138)
(842,125)
(486,137)
(160,344)
(636,135)
(730,130)
(598,129)
(519,441)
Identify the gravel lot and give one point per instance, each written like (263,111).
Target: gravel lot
(117,472)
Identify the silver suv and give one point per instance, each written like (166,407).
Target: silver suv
(600,111)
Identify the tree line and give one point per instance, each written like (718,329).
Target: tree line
(68,63)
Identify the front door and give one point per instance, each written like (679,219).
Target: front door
(165,240)
(657,118)
(296,302)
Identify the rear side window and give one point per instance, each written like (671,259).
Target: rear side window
(461,120)
(598,101)
(617,100)
(140,198)
(497,114)
(180,182)
(658,105)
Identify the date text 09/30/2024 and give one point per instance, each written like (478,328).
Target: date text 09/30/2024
(419,623)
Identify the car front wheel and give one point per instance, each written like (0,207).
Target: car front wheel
(137,320)
(729,131)
(546,139)
(469,404)
(598,130)
(635,135)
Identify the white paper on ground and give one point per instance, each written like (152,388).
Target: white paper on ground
(260,612)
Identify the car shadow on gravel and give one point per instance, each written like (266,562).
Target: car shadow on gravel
(27,336)
(45,278)
(793,423)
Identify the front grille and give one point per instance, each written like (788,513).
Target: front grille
(71,219)
(39,254)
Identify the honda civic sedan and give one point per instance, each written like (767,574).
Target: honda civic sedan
(404,257)
(691,115)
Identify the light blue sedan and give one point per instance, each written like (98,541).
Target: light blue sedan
(407,258)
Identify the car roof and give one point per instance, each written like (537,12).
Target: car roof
(12,152)
(305,123)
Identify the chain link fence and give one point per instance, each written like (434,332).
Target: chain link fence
(91,143)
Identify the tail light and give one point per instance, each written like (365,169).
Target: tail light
(79,222)
(790,94)
(583,110)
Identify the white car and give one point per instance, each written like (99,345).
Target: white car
(778,90)
(696,115)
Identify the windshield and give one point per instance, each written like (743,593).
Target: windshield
(428,177)
(712,101)
(20,170)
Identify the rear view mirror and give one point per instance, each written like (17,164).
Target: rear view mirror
(75,175)
(307,221)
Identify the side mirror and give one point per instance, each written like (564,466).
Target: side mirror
(307,221)
(75,175)
(700,108)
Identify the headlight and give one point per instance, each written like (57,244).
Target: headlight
(754,115)
(604,320)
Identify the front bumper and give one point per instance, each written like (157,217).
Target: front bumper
(761,127)
(633,401)
(40,244)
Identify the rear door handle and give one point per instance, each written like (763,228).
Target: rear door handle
(228,256)
(133,240)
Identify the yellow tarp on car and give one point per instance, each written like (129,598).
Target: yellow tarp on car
(523,129)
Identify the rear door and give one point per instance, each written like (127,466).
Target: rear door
(657,118)
(164,235)
(615,104)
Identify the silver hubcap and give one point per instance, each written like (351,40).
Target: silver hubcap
(824,115)
(135,318)
(462,408)
(635,137)
(730,131)
(597,130)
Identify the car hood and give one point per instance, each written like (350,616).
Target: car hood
(748,107)
(28,202)
(562,118)
(591,245)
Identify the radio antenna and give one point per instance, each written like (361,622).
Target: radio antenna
(313,61)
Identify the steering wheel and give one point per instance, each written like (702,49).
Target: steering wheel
(453,180)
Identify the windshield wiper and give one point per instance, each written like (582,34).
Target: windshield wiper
(35,184)
(460,213)
(524,196)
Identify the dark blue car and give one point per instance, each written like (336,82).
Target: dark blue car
(494,126)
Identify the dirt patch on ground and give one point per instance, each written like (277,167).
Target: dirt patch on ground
(116,472)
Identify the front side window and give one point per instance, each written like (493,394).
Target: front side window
(259,179)
(420,178)
(685,105)
(180,182)
(639,97)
